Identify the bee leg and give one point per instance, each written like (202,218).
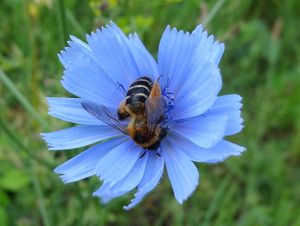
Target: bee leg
(120,85)
(161,75)
(143,154)
(158,152)
(122,111)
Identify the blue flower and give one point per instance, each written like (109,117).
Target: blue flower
(187,108)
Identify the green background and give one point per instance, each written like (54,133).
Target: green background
(261,63)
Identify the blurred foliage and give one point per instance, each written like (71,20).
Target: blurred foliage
(261,62)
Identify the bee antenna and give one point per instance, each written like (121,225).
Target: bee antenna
(161,75)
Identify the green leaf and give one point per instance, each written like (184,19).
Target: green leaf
(14,180)
(3,217)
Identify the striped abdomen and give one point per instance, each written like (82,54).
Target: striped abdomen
(138,93)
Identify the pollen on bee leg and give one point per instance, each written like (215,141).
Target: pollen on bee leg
(122,111)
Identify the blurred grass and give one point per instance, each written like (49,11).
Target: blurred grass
(261,62)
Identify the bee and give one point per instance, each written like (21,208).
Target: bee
(143,106)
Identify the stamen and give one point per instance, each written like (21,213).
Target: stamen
(170,97)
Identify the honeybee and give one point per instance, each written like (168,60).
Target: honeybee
(143,106)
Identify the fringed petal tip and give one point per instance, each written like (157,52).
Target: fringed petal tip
(70,110)
(143,177)
(78,136)
(44,136)
(226,149)
(204,131)
(66,177)
(140,194)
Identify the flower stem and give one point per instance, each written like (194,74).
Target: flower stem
(63,21)
(20,97)
(16,141)
(213,12)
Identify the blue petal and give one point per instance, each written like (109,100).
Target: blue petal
(78,136)
(225,149)
(83,165)
(77,52)
(182,172)
(198,95)
(123,59)
(71,110)
(145,63)
(84,73)
(90,82)
(153,172)
(212,48)
(119,162)
(109,191)
(195,56)
(230,106)
(217,153)
(175,51)
(204,131)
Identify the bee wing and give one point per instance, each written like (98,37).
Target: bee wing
(154,105)
(104,114)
